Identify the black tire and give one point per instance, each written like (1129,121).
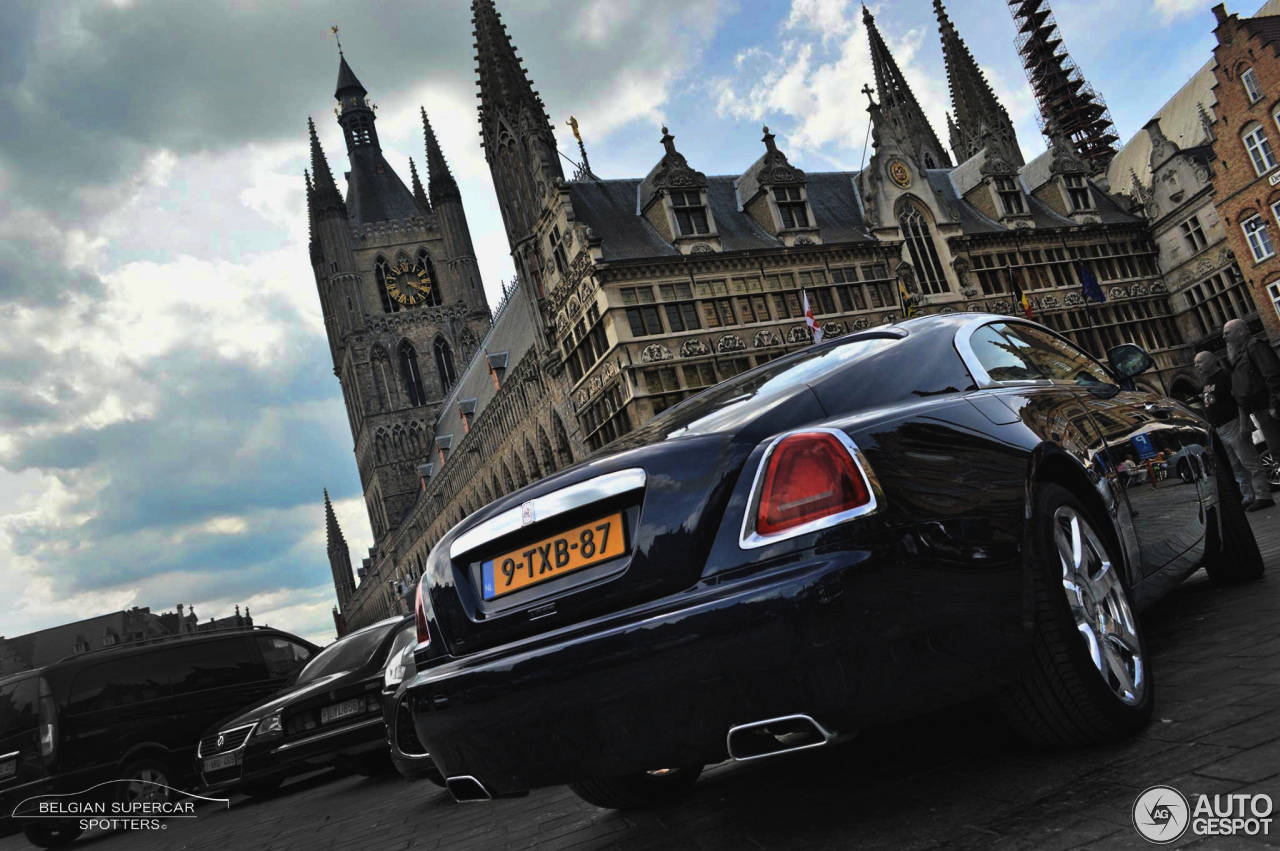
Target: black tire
(152,781)
(1231,555)
(372,763)
(647,789)
(52,834)
(1185,473)
(1066,698)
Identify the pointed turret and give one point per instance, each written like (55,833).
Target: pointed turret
(418,194)
(974,103)
(344,584)
(439,179)
(898,103)
(524,172)
(325,196)
(348,84)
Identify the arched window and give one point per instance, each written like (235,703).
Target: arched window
(444,364)
(383,388)
(434,299)
(924,254)
(411,375)
(563,452)
(381,269)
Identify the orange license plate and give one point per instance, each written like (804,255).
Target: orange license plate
(588,544)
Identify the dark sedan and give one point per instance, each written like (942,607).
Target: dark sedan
(331,712)
(408,754)
(878,526)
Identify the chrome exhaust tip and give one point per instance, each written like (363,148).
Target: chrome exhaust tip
(774,736)
(466,789)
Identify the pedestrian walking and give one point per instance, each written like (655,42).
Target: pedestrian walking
(1223,414)
(1255,382)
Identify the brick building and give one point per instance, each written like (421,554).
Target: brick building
(1247,132)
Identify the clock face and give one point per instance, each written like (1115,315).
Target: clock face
(407,285)
(899,173)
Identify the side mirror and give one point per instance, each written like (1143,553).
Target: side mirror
(1128,360)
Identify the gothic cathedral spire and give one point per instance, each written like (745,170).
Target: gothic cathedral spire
(328,200)
(344,583)
(440,180)
(980,119)
(516,131)
(898,104)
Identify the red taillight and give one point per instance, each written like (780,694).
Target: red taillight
(811,475)
(420,615)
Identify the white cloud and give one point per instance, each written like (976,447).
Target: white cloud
(1170,10)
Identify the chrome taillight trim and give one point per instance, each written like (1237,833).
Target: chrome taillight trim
(548,505)
(750,539)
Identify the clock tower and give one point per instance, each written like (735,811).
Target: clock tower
(403,301)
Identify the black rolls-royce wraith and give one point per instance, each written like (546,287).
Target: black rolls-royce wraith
(881,525)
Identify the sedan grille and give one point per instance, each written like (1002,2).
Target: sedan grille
(406,735)
(230,740)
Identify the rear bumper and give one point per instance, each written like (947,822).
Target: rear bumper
(850,638)
(262,761)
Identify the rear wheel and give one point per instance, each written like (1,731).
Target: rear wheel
(649,788)
(52,834)
(1232,554)
(1088,681)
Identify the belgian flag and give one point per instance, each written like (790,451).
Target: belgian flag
(1018,294)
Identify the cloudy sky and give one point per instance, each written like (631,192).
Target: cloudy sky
(168,414)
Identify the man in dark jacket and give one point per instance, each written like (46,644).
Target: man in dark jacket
(1223,414)
(1255,382)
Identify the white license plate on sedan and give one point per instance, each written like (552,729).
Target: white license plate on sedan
(340,710)
(219,762)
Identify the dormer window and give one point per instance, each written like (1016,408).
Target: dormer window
(498,368)
(442,448)
(691,215)
(467,411)
(1078,192)
(791,207)
(557,250)
(1010,196)
(1193,235)
(1251,87)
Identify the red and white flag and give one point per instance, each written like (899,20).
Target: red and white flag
(809,320)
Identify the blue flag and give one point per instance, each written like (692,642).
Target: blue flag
(1089,284)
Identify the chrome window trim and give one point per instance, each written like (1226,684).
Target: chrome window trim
(964,347)
(7,755)
(368,722)
(249,727)
(750,539)
(547,506)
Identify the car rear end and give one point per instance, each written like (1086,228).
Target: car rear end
(741,567)
(28,740)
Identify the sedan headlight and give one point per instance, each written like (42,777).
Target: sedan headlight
(271,725)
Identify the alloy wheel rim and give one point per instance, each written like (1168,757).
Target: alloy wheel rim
(1098,602)
(147,786)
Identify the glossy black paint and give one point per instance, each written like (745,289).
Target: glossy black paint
(919,605)
(306,742)
(408,754)
(93,747)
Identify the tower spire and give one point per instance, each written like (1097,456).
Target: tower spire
(418,194)
(344,584)
(523,173)
(333,532)
(439,179)
(898,103)
(978,113)
(1066,99)
(324,193)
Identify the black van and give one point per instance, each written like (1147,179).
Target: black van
(135,711)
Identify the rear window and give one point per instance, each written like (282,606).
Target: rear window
(720,408)
(345,654)
(19,706)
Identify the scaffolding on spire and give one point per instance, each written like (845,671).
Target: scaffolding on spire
(1064,96)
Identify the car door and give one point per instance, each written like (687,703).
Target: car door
(211,680)
(1165,500)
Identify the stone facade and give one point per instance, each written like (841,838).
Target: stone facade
(1247,163)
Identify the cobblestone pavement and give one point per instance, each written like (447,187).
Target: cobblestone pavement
(953,780)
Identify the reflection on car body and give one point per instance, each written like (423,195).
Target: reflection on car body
(877,526)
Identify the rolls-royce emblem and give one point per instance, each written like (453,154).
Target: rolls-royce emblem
(526,513)
(222,740)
